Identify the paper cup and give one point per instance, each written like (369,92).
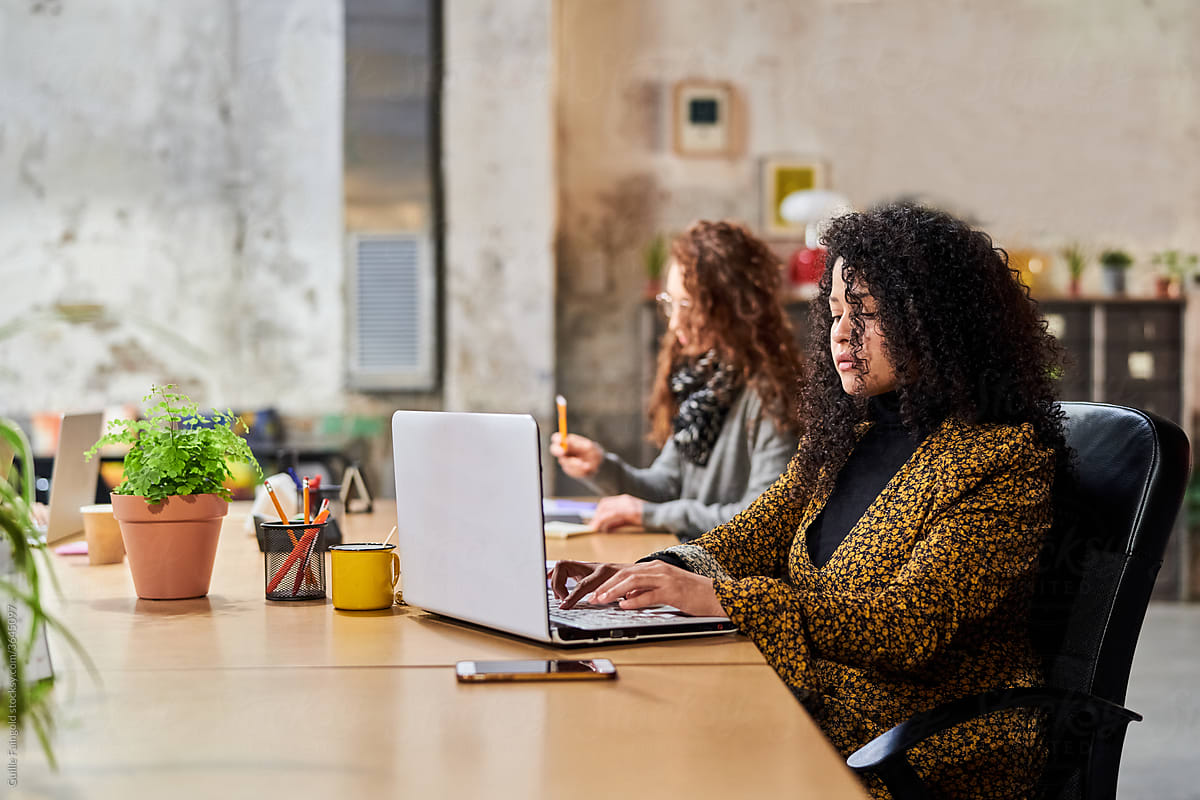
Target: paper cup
(105,545)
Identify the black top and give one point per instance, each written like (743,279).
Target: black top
(878,456)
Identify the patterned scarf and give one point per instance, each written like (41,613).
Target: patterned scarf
(704,391)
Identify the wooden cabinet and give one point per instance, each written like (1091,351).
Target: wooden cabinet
(1131,353)
(1128,352)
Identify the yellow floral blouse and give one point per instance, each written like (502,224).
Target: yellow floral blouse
(926,600)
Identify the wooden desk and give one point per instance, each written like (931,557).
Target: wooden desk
(236,627)
(233,696)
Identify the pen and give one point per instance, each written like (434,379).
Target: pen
(322,512)
(562,420)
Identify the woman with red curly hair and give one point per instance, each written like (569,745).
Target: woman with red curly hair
(721,408)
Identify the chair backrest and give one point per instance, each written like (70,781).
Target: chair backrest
(1099,566)
(1097,572)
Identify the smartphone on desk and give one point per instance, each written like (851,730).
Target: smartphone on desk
(538,670)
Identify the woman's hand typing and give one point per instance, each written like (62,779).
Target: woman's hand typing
(636,586)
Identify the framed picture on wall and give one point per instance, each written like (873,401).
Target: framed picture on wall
(702,118)
(781,177)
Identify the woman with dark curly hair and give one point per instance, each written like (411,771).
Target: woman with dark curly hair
(721,408)
(891,568)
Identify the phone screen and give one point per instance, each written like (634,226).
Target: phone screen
(545,669)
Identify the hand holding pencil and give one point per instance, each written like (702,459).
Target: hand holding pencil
(578,456)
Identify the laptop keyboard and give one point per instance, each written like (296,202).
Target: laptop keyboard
(590,617)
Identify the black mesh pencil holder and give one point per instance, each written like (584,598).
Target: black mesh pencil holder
(293,563)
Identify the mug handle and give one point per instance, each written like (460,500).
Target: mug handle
(395,569)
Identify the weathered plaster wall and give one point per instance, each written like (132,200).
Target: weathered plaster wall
(1046,121)
(170,202)
(500,206)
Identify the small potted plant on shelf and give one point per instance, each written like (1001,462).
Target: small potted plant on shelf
(25,690)
(1115,262)
(655,259)
(173,497)
(1076,260)
(1175,266)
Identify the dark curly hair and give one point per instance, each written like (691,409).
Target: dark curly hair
(960,330)
(734,283)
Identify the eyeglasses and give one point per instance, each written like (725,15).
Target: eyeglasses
(668,304)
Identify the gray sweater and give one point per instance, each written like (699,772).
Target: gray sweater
(687,499)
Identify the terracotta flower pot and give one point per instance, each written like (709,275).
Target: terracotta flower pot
(172,544)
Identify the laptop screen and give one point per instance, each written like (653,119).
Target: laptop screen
(469,514)
(73,481)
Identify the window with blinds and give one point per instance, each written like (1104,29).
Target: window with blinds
(391,288)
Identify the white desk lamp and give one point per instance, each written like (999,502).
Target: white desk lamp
(811,207)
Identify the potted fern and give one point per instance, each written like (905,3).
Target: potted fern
(25,691)
(173,497)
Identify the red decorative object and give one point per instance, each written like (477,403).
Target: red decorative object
(806,265)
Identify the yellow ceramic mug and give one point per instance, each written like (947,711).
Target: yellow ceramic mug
(364,575)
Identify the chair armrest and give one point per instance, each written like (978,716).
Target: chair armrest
(884,754)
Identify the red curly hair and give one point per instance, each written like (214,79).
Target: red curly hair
(734,283)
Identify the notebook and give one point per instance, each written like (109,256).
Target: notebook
(555,509)
(470,533)
(565,530)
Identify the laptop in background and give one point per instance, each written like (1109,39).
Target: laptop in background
(73,480)
(469,514)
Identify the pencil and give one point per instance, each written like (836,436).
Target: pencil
(271,491)
(562,420)
(307,518)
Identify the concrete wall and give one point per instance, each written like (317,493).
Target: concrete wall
(171,207)
(170,202)
(498,166)
(1046,121)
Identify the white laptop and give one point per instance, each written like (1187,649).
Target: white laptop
(469,513)
(73,480)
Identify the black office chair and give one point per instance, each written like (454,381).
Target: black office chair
(1094,584)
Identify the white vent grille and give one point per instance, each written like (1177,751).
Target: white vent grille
(391,312)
